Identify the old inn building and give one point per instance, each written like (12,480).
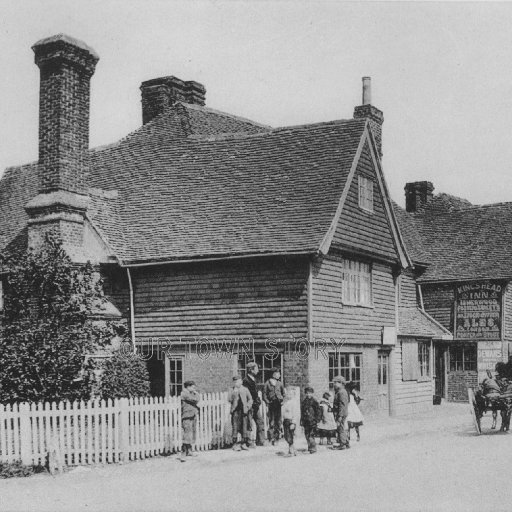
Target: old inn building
(210,229)
(463,272)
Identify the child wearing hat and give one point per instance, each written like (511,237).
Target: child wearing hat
(340,411)
(273,396)
(241,403)
(309,417)
(189,410)
(291,417)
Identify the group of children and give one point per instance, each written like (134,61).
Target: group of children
(325,419)
(328,418)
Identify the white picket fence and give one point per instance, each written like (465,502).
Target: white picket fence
(107,431)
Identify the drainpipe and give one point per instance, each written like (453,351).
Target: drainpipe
(132,312)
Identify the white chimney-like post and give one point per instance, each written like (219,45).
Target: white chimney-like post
(367,90)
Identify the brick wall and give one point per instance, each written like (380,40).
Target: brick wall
(211,374)
(458,383)
(295,370)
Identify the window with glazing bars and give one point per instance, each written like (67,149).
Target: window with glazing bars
(365,193)
(356,283)
(175,375)
(348,365)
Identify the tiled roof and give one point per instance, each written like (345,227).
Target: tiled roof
(474,242)
(415,322)
(197,183)
(17,186)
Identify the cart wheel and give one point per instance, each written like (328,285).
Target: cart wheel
(474,410)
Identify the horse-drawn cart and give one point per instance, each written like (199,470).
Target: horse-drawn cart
(481,403)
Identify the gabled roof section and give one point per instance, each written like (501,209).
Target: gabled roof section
(469,243)
(368,141)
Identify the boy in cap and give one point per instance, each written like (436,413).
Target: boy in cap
(309,417)
(340,410)
(273,396)
(241,403)
(189,409)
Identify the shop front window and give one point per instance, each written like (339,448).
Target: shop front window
(266,361)
(462,358)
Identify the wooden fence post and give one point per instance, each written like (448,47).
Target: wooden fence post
(25,434)
(124,433)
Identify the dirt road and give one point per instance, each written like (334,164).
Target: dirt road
(434,462)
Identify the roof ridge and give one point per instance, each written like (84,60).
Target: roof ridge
(224,114)
(280,129)
(472,207)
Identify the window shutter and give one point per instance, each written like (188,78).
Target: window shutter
(410,360)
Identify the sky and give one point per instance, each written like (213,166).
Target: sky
(441,73)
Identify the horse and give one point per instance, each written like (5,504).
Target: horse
(495,402)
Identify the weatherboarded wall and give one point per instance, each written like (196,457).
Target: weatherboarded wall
(257,298)
(355,324)
(411,396)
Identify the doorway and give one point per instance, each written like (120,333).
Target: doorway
(439,373)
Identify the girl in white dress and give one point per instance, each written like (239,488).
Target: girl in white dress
(354,417)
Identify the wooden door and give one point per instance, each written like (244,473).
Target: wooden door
(383,380)
(439,370)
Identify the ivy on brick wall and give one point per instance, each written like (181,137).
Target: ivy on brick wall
(47,332)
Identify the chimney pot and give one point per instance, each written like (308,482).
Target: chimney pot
(373,114)
(367,90)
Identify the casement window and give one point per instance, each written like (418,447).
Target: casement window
(356,283)
(266,361)
(382,369)
(1,296)
(348,365)
(365,193)
(462,358)
(424,358)
(175,375)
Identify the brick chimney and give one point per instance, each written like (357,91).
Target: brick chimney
(66,66)
(161,93)
(373,114)
(418,195)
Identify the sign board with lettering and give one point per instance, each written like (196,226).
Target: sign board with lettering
(489,353)
(478,311)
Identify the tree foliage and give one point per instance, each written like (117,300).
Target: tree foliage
(47,333)
(123,375)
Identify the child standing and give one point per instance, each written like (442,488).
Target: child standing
(273,395)
(309,416)
(354,417)
(189,411)
(327,425)
(290,420)
(241,403)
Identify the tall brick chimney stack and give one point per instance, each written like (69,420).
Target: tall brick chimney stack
(66,66)
(161,93)
(373,114)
